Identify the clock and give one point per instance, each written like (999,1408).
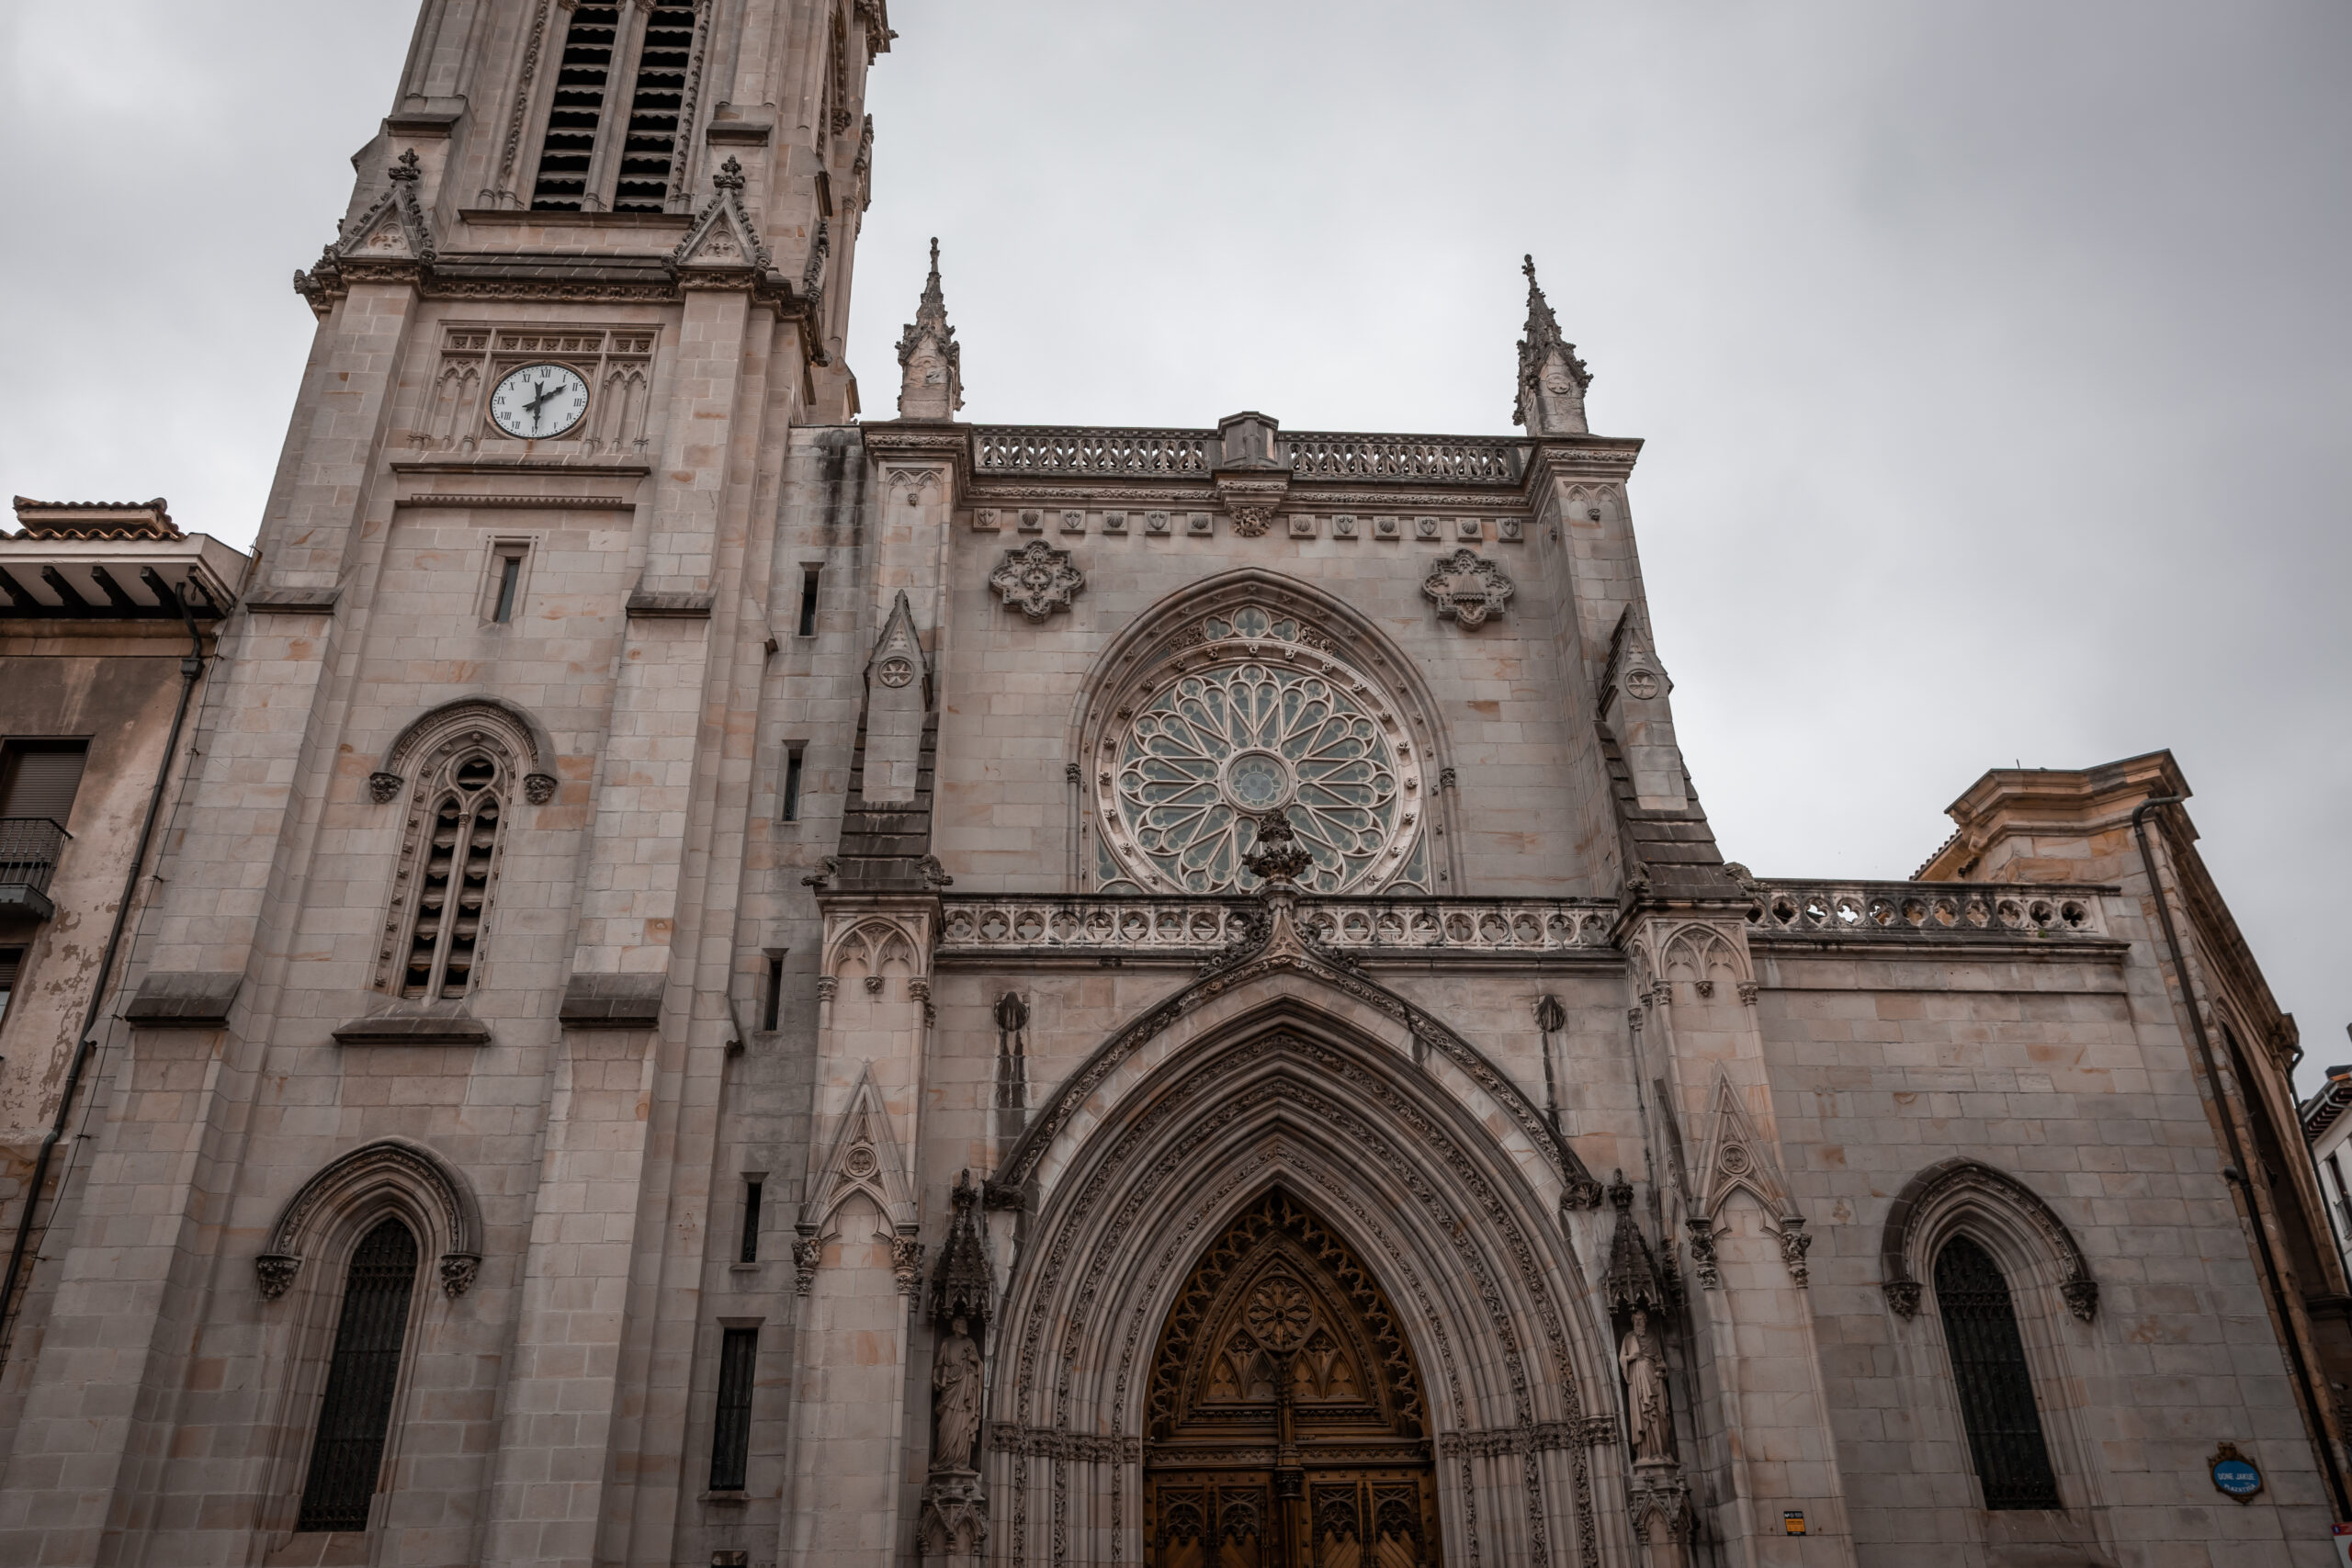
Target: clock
(539,402)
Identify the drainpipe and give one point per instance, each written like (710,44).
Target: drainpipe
(191,666)
(2235,1171)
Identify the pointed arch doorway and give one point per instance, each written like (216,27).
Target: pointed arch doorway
(1285,1427)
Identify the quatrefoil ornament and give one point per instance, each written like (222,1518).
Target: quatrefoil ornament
(1037,579)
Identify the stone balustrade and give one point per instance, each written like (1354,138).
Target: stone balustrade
(1442,460)
(1140,926)
(1885,910)
(1041,449)
(1086,452)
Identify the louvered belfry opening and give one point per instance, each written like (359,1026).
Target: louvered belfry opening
(1996,1384)
(649,155)
(347,1455)
(576,114)
(459,853)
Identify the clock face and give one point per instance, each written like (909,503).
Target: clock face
(539,401)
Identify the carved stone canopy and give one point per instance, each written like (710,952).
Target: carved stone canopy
(1467,589)
(1631,1282)
(1037,579)
(964,1284)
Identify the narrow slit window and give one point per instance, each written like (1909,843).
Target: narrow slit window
(576,114)
(1996,1384)
(452,868)
(731,1437)
(11,960)
(809,600)
(649,156)
(795,754)
(751,1249)
(347,1455)
(772,1006)
(508,585)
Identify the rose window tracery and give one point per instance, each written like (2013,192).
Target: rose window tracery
(1255,714)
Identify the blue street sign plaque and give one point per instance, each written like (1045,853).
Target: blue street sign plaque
(2235,1475)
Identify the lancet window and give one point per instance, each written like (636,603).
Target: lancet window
(355,1418)
(446,876)
(1249,707)
(621,108)
(1996,1384)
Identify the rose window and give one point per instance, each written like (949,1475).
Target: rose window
(1257,717)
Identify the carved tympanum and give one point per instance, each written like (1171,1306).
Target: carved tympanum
(1284,1419)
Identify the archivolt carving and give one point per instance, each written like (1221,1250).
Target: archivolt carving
(1021,1164)
(494,723)
(393,1173)
(1951,1182)
(1162,1137)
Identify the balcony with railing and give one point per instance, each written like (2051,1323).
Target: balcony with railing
(29,850)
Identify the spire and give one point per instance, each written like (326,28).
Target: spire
(933,386)
(1552,380)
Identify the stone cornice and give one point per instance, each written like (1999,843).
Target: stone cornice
(1607,459)
(906,441)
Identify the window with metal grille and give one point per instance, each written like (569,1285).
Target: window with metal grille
(347,1455)
(451,865)
(1988,1362)
(731,1437)
(617,55)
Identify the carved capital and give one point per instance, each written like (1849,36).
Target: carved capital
(1902,1295)
(905,1265)
(273,1271)
(384,787)
(538,788)
(458,1272)
(808,1253)
(2081,1294)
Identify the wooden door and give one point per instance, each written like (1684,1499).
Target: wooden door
(1286,1425)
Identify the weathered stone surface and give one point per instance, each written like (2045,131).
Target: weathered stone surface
(1319,888)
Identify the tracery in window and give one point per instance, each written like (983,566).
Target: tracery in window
(1996,1384)
(355,1418)
(1256,711)
(446,875)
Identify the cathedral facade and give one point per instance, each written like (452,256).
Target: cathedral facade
(731,983)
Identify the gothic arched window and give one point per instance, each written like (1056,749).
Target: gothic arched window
(347,1455)
(444,877)
(1988,1362)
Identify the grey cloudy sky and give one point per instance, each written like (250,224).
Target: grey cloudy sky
(1992,358)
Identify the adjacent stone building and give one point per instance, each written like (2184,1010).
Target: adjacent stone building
(731,984)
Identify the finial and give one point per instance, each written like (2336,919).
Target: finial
(1552,380)
(933,386)
(729,175)
(406,169)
